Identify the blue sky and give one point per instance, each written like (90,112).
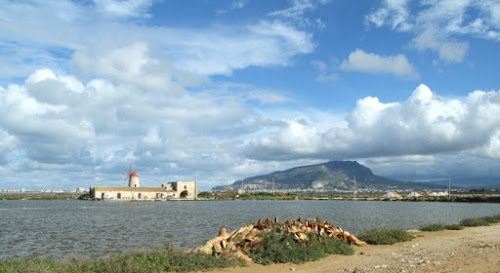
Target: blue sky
(221,90)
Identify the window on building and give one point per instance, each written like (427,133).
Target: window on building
(119,195)
(185,187)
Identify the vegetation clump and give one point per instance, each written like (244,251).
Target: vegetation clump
(280,247)
(383,236)
(267,241)
(433,227)
(454,227)
(166,260)
(474,222)
(492,219)
(481,221)
(439,227)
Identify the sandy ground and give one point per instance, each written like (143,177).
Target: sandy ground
(470,250)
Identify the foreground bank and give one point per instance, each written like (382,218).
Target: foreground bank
(474,249)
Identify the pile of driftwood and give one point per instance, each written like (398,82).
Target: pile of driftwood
(238,242)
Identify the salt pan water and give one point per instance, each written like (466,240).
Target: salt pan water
(60,228)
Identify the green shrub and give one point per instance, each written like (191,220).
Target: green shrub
(384,236)
(438,227)
(454,227)
(433,227)
(474,222)
(280,247)
(336,246)
(205,194)
(492,219)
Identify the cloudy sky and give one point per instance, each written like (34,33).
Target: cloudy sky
(218,90)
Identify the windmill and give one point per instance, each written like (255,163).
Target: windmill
(131,176)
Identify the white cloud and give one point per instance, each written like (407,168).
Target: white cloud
(267,97)
(361,61)
(104,124)
(448,51)
(152,138)
(393,12)
(237,4)
(131,64)
(8,144)
(296,13)
(31,33)
(440,25)
(263,44)
(66,124)
(324,74)
(425,124)
(124,8)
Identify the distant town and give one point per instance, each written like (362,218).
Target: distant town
(23,190)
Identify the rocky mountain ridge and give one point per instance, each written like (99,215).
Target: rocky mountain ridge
(332,175)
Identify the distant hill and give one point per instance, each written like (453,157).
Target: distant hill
(325,176)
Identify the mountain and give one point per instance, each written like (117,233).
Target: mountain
(331,175)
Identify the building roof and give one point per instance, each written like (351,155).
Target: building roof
(135,189)
(134,174)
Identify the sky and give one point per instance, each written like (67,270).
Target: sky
(217,91)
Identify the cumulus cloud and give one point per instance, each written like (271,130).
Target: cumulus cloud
(57,122)
(439,25)
(424,124)
(361,61)
(99,126)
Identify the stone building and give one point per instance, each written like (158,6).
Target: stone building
(167,191)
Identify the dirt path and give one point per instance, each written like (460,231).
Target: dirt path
(469,250)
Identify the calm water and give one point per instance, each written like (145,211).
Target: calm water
(56,229)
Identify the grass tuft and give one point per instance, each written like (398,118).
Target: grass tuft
(383,236)
(492,219)
(454,227)
(474,222)
(439,227)
(169,260)
(433,227)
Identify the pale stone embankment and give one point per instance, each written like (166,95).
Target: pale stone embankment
(459,251)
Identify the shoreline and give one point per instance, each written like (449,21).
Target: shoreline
(473,249)
(454,199)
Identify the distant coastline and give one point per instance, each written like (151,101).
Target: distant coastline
(471,197)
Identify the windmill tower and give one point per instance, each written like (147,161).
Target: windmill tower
(131,175)
(133,180)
